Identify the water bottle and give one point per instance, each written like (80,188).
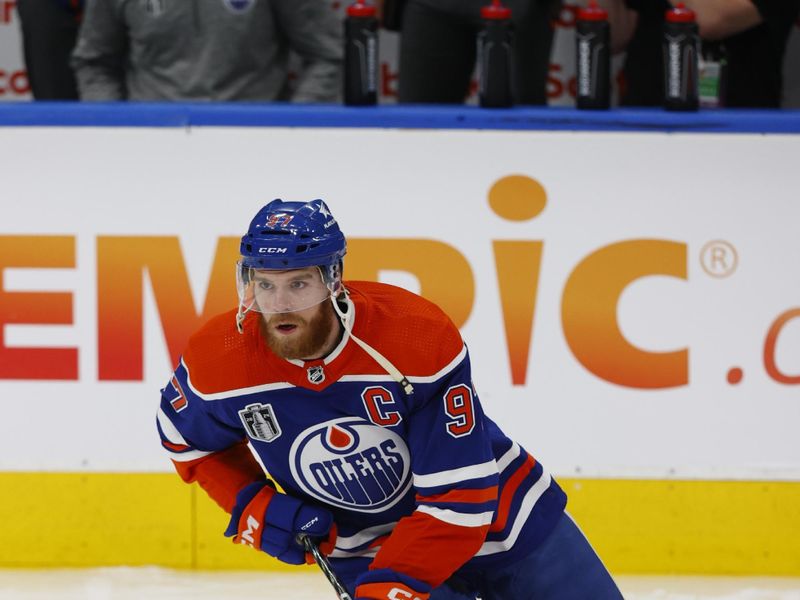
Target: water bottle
(495,57)
(681,50)
(593,57)
(360,55)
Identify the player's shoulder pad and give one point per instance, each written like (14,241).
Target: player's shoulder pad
(218,358)
(415,334)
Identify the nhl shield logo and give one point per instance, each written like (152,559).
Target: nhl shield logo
(260,422)
(316,375)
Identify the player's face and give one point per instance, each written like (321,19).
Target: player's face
(277,292)
(305,334)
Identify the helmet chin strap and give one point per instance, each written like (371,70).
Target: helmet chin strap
(240,315)
(384,362)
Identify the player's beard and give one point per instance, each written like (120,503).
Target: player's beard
(308,343)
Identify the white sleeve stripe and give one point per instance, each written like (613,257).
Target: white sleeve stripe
(169,430)
(187,456)
(455,475)
(525,509)
(508,457)
(368,553)
(455,518)
(364,536)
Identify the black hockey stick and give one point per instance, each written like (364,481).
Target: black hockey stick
(325,567)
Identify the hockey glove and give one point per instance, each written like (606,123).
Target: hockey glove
(270,521)
(386,584)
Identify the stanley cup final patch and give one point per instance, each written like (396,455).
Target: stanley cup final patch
(260,422)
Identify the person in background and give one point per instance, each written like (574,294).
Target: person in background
(49,31)
(750,35)
(438,48)
(223,50)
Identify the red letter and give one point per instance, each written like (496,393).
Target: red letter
(554,86)
(388,81)
(769,348)
(121,264)
(8,7)
(18,82)
(375,399)
(591,323)
(36,307)
(518,265)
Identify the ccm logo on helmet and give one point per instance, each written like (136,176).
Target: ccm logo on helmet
(272,250)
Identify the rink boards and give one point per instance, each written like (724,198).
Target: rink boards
(630,299)
(637,526)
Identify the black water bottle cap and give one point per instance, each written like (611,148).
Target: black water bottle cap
(496,11)
(680,14)
(593,12)
(360,9)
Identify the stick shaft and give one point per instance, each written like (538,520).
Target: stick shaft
(325,567)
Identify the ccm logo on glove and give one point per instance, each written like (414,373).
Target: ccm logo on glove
(268,521)
(247,534)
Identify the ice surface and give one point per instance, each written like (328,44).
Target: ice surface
(152,583)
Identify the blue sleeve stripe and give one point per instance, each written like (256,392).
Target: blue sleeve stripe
(536,479)
(507,457)
(525,501)
(514,466)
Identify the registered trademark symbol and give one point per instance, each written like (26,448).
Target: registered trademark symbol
(719,259)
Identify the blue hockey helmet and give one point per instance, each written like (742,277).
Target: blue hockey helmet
(293,235)
(287,236)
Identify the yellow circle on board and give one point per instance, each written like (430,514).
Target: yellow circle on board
(517,198)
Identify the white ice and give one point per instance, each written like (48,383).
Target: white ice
(163,584)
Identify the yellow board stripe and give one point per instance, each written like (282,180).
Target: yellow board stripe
(637,526)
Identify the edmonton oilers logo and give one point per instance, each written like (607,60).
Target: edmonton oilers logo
(351,463)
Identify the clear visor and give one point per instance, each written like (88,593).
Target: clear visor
(274,292)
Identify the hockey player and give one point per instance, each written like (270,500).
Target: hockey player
(358,401)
